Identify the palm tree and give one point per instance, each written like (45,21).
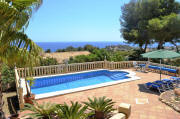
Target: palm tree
(14,19)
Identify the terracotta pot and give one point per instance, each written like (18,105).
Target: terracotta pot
(177,92)
(29,99)
(99,115)
(14,116)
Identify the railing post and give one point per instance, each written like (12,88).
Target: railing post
(66,67)
(105,64)
(21,98)
(19,89)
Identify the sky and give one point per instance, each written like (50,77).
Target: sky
(77,21)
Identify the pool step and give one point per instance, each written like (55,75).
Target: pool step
(116,76)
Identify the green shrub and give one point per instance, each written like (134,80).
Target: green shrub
(175,62)
(99,55)
(48,51)
(136,55)
(117,56)
(30,81)
(55,111)
(40,111)
(60,50)
(48,61)
(8,78)
(101,106)
(80,49)
(74,111)
(89,48)
(70,48)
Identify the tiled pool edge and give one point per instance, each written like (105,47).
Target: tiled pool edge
(57,93)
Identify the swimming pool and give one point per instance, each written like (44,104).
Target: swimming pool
(67,83)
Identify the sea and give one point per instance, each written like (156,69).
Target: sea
(53,46)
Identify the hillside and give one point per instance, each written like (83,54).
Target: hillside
(61,56)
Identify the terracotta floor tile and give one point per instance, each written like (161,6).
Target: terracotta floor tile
(127,93)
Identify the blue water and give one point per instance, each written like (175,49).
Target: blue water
(62,45)
(71,81)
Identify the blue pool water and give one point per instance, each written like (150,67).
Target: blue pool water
(71,81)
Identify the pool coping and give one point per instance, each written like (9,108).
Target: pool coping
(131,74)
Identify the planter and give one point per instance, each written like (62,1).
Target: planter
(29,99)
(177,92)
(14,116)
(99,115)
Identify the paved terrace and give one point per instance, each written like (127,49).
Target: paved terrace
(127,93)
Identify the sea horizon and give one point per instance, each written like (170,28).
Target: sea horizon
(53,46)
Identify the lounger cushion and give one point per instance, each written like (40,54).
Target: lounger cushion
(162,68)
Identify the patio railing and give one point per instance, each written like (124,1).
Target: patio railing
(19,90)
(66,68)
(76,67)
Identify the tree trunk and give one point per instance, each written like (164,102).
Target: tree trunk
(2,115)
(146,44)
(160,45)
(141,49)
(177,49)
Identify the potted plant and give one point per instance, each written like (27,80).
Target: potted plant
(101,106)
(177,92)
(73,111)
(46,110)
(14,116)
(29,97)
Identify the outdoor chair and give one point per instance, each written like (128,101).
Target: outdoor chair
(136,66)
(166,84)
(158,87)
(171,83)
(145,67)
(176,81)
(142,67)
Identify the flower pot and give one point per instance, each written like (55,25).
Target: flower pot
(14,116)
(29,99)
(177,92)
(99,115)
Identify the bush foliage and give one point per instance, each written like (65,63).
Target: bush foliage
(89,48)
(75,110)
(48,61)
(8,78)
(101,55)
(48,51)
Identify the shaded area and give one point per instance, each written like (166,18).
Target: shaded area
(13,104)
(151,91)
